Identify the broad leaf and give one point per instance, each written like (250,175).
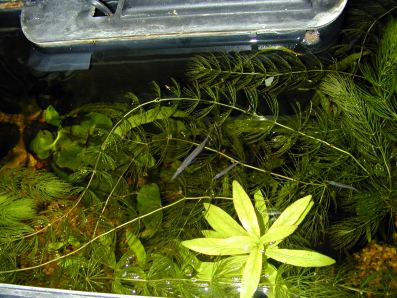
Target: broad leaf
(252,273)
(221,247)
(212,234)
(42,144)
(149,200)
(136,246)
(245,210)
(302,258)
(81,131)
(260,206)
(69,154)
(294,213)
(222,222)
(277,234)
(51,116)
(100,120)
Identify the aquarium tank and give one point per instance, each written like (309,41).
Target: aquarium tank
(198,148)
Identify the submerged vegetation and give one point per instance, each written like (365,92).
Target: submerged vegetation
(254,238)
(119,195)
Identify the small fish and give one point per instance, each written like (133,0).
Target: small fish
(225,171)
(188,160)
(341,185)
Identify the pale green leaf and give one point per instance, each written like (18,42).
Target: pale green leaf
(252,273)
(221,247)
(42,144)
(136,246)
(302,258)
(294,213)
(222,222)
(51,116)
(212,234)
(277,234)
(245,210)
(260,206)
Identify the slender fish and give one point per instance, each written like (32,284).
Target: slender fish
(341,185)
(188,160)
(225,171)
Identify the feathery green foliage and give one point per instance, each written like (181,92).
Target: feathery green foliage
(368,116)
(122,224)
(14,210)
(271,70)
(35,184)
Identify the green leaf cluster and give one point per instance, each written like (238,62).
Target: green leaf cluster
(67,145)
(230,238)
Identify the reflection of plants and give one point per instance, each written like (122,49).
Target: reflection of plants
(229,238)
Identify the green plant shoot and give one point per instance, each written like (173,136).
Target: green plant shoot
(230,238)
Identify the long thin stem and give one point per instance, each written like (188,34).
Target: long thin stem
(325,143)
(234,160)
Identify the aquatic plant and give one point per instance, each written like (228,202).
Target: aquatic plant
(137,179)
(255,238)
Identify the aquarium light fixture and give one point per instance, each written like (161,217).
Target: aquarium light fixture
(178,27)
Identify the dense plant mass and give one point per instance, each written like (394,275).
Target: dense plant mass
(118,196)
